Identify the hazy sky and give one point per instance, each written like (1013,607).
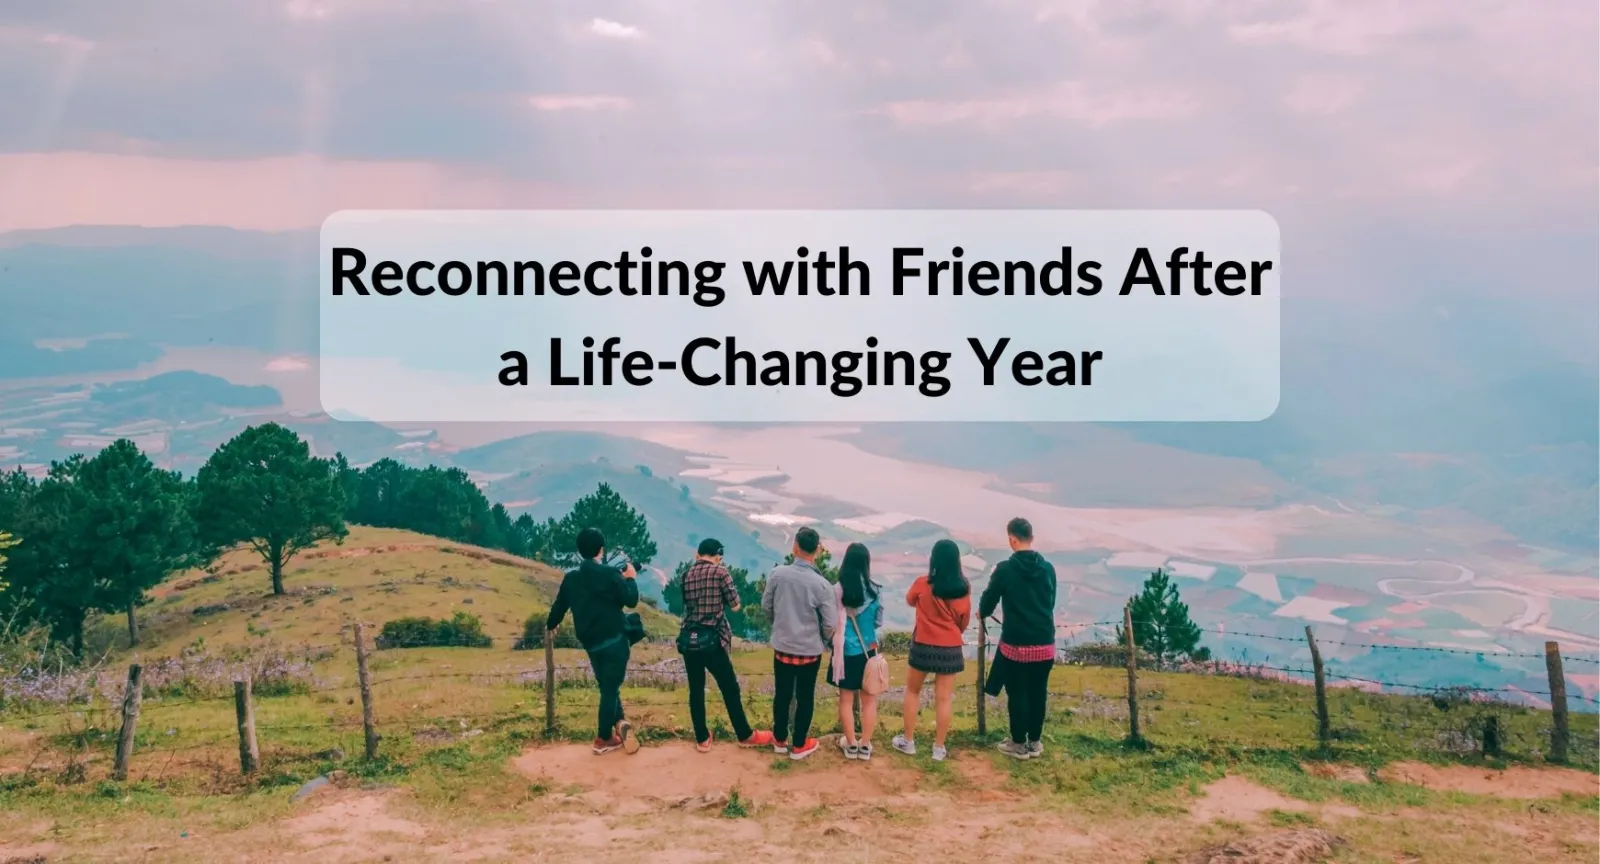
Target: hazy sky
(1406,141)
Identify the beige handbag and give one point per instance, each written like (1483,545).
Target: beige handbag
(875,677)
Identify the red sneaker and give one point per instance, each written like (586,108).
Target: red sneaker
(703,746)
(811,746)
(759,738)
(606,745)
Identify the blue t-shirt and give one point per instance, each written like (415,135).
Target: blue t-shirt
(868,618)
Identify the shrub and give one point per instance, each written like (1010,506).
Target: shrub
(461,630)
(533,635)
(1110,654)
(896,643)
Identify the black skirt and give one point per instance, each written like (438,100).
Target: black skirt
(937,659)
(854,666)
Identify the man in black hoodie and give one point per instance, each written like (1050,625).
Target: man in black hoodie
(1024,587)
(596,593)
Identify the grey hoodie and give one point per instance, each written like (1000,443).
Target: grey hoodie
(799,604)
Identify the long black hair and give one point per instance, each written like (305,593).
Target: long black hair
(855,576)
(944,572)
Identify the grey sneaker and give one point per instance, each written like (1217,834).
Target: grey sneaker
(1035,749)
(938,753)
(1015,750)
(907,747)
(849,750)
(864,751)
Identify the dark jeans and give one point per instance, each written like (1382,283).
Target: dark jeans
(721,668)
(610,666)
(1027,685)
(799,684)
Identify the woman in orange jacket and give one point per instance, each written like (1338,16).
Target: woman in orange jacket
(943,603)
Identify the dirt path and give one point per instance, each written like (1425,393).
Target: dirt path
(670,804)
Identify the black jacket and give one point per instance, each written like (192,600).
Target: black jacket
(1024,587)
(596,594)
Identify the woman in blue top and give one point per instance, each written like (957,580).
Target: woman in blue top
(858,599)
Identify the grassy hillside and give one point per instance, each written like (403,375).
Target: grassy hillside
(466,772)
(377,575)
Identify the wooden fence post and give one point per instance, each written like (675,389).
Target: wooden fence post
(131,698)
(1322,689)
(983,699)
(245,711)
(549,683)
(366,693)
(1133,675)
(1558,702)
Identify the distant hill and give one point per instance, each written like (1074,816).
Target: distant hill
(677,521)
(528,452)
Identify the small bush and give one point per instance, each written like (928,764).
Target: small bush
(1112,654)
(533,635)
(896,643)
(461,630)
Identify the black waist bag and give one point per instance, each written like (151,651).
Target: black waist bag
(633,628)
(698,638)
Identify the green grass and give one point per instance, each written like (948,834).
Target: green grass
(453,718)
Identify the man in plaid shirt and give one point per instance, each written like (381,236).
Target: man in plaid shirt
(708,596)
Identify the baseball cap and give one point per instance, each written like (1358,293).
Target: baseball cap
(710,546)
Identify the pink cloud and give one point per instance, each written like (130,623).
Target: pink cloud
(51,190)
(579,103)
(1072,100)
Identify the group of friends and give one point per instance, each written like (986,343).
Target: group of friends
(812,620)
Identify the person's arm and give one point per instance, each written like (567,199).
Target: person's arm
(558,609)
(993,591)
(629,586)
(914,590)
(730,595)
(827,610)
(963,612)
(766,600)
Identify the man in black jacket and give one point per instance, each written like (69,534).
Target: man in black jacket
(597,593)
(1024,587)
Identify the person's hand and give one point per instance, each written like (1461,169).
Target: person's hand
(735,606)
(628,572)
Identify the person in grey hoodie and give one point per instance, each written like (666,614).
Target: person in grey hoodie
(1024,587)
(799,603)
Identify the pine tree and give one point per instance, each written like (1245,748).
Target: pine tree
(265,489)
(1161,624)
(623,527)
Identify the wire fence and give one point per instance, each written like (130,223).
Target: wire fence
(1155,701)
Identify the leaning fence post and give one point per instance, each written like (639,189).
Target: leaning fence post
(1558,702)
(983,644)
(130,722)
(1322,689)
(1133,675)
(249,754)
(549,683)
(366,694)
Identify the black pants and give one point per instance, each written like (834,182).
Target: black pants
(610,666)
(1027,685)
(721,668)
(799,684)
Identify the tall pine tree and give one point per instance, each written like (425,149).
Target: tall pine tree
(1161,624)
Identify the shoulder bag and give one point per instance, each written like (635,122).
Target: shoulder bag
(875,676)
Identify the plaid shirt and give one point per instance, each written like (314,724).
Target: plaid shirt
(707,593)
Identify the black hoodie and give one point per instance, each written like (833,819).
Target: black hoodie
(1024,587)
(596,594)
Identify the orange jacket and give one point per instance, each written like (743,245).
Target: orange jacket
(940,622)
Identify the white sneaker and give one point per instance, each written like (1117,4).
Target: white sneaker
(864,751)
(848,749)
(939,753)
(907,747)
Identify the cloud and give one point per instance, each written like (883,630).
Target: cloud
(614,30)
(51,190)
(578,103)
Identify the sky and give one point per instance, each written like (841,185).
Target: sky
(1404,145)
